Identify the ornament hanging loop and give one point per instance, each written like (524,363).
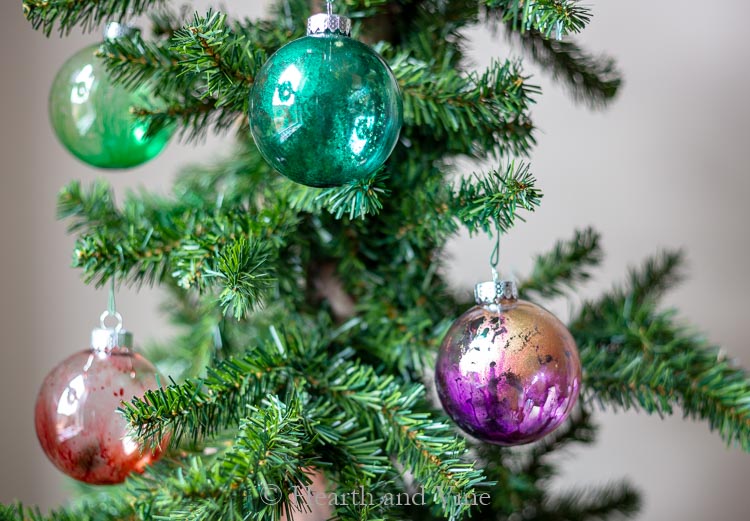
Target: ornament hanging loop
(111,302)
(495,258)
(110,334)
(104,317)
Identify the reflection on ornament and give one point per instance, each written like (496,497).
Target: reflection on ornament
(509,374)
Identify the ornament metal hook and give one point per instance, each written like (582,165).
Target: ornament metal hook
(496,295)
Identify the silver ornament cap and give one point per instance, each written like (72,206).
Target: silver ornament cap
(496,294)
(115,30)
(327,23)
(105,339)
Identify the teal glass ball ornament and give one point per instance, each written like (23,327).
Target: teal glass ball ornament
(92,117)
(326,110)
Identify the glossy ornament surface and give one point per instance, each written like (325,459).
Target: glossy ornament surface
(326,110)
(508,376)
(92,117)
(76,416)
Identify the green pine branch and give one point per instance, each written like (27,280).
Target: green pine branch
(657,275)
(45,15)
(409,344)
(200,246)
(252,479)
(351,456)
(200,408)
(203,72)
(224,58)
(513,491)
(643,286)
(417,211)
(355,200)
(353,512)
(165,21)
(434,32)
(384,408)
(654,364)
(87,209)
(552,18)
(247,476)
(472,114)
(270,455)
(593,80)
(133,61)
(637,356)
(492,202)
(428,448)
(243,274)
(240,178)
(101,506)
(222,62)
(566,266)
(619,500)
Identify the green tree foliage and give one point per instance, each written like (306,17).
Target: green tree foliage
(309,318)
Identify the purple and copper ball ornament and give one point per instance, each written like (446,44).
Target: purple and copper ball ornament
(508,371)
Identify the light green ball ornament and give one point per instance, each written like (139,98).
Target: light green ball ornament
(326,110)
(92,117)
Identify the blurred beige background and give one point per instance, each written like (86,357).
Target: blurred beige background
(665,166)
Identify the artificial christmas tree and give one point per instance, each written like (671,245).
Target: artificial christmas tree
(327,373)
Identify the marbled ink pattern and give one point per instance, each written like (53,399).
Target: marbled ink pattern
(508,377)
(76,416)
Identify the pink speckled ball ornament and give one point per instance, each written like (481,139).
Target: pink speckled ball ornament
(76,416)
(508,371)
